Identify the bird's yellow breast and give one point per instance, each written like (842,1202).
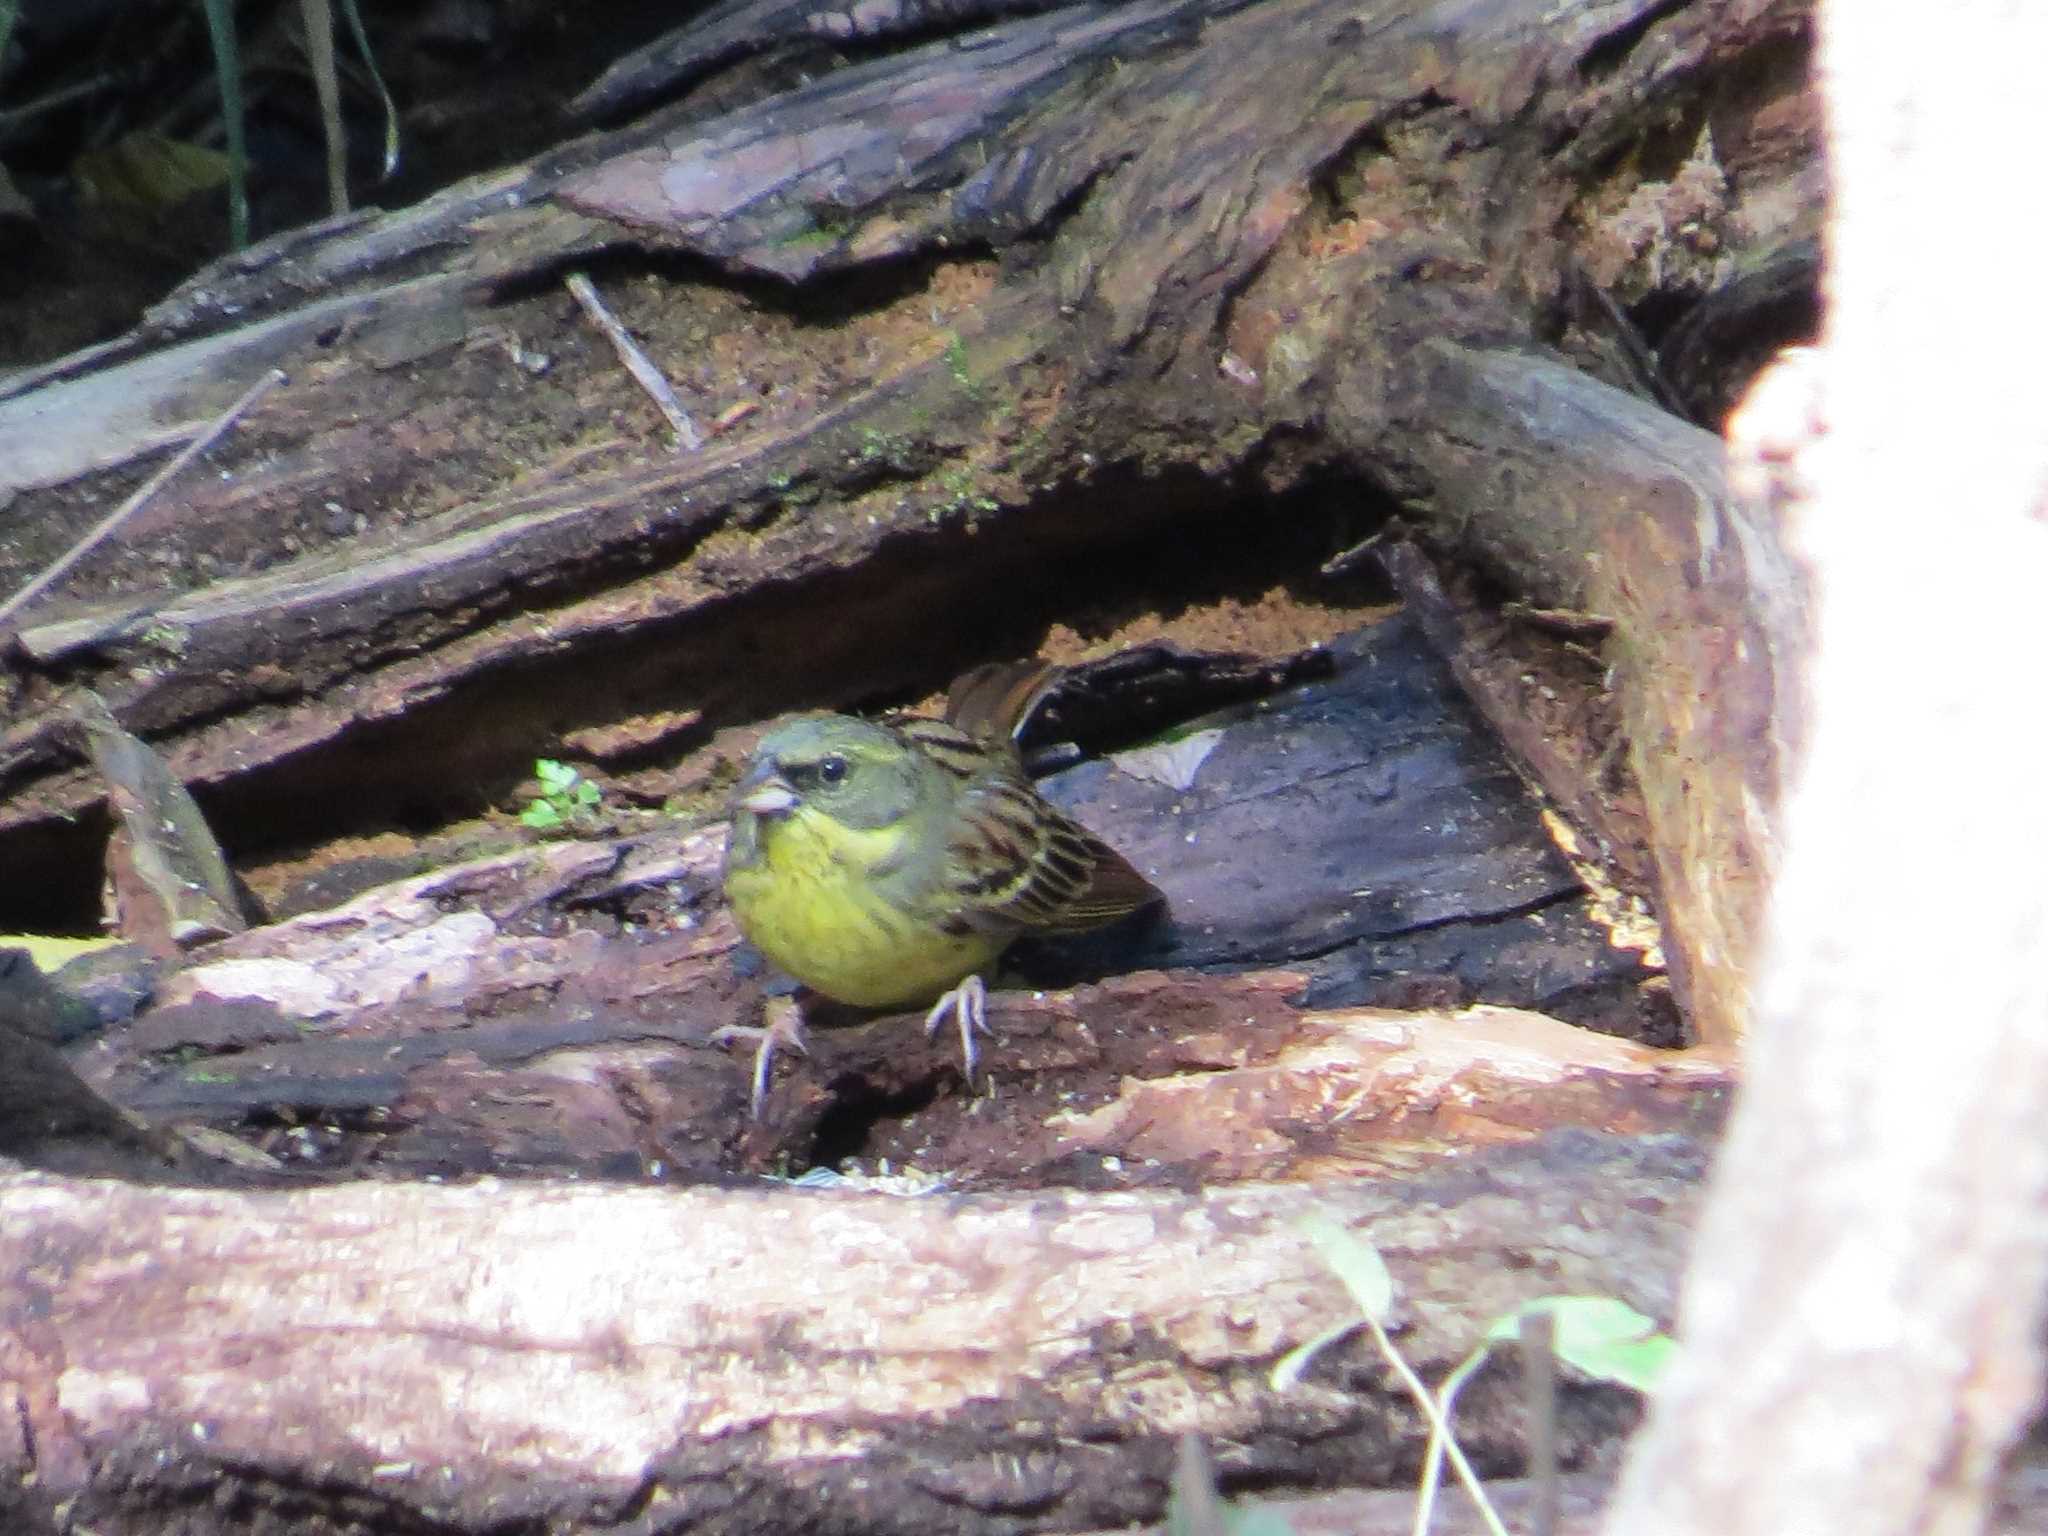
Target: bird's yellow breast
(809,902)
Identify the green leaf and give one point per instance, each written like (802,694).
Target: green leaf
(148,170)
(554,776)
(540,816)
(1355,1261)
(1598,1336)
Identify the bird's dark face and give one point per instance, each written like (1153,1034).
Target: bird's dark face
(860,775)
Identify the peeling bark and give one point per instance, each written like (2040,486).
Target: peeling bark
(475,1356)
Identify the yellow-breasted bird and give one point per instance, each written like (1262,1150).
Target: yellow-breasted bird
(889,863)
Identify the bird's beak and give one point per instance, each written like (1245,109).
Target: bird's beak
(766,792)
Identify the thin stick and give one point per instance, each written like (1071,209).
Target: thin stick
(638,363)
(106,526)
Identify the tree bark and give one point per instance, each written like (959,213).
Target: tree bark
(386,1356)
(1862,1316)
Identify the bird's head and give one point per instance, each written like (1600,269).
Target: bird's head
(860,775)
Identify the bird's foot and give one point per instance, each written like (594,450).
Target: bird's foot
(783,1031)
(968,1003)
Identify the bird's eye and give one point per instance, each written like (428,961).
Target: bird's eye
(832,770)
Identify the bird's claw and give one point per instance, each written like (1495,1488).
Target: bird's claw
(785,1031)
(968,1003)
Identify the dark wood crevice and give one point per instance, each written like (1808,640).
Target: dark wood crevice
(897,604)
(1353,840)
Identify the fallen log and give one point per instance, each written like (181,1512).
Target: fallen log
(1186,287)
(1173,303)
(503,1353)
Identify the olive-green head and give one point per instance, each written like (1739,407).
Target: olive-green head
(860,774)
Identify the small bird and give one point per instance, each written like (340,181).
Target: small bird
(889,863)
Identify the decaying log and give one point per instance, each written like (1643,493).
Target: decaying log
(1632,520)
(487,1355)
(551,1008)
(47,1112)
(1572,767)
(1114,294)
(2021,1508)
(1259,243)
(736,28)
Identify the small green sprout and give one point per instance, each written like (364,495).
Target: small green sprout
(1595,1335)
(567,800)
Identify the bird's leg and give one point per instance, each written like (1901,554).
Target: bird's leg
(968,1003)
(784,1030)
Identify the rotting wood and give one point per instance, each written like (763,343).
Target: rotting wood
(1633,519)
(1472,645)
(735,28)
(501,1352)
(2020,1509)
(847,182)
(1263,249)
(49,1114)
(549,1008)
(1269,333)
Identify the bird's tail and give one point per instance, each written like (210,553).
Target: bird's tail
(995,702)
